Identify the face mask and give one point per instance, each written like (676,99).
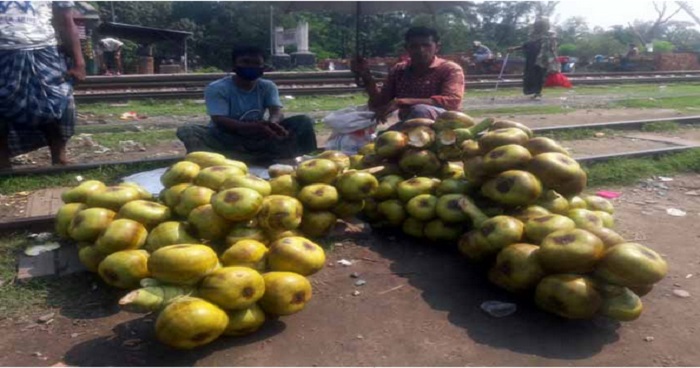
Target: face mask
(249,73)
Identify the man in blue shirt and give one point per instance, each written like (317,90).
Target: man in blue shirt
(238,127)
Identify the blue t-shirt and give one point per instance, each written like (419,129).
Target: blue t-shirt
(224,98)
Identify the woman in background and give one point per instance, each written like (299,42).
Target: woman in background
(540,58)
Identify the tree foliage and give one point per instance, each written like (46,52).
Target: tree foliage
(217,26)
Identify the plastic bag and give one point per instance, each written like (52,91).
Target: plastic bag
(353,127)
(557,80)
(350,119)
(350,143)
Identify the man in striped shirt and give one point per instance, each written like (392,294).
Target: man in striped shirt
(422,87)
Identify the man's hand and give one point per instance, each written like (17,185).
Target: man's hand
(77,73)
(259,129)
(278,129)
(383,112)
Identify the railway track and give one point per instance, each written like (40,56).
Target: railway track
(38,223)
(191,86)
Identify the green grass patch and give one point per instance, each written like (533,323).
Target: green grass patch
(145,107)
(107,174)
(661,126)
(627,171)
(519,110)
(16,297)
(677,103)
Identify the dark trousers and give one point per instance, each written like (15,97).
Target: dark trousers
(301,140)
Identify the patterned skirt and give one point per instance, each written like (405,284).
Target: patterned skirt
(33,93)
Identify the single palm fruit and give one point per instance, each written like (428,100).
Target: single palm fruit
(473,246)
(243,322)
(392,211)
(182,264)
(239,164)
(539,145)
(502,124)
(596,203)
(452,186)
(280,213)
(237,204)
(609,237)
(410,188)
(340,159)
(630,265)
(284,185)
(390,144)
(449,120)
(554,202)
(232,287)
(249,181)
(318,196)
(214,177)
(180,173)
(317,224)
(449,210)
(474,170)
(508,157)
(517,268)
(416,122)
(148,213)
(206,159)
(296,254)
(90,258)
(246,230)
(144,194)
(347,209)
(607,218)
(470,148)
(124,269)
(189,322)
(539,227)
(571,251)
(356,161)
(419,162)
(422,207)
(366,149)
(169,233)
(317,170)
(89,223)
(80,193)
(413,227)
(387,187)
(122,234)
(245,253)
(285,293)
(499,232)
(641,290)
(207,224)
(438,230)
(585,219)
(619,302)
(525,214)
(191,198)
(569,296)
(356,185)
(64,216)
(278,170)
(501,137)
(112,198)
(577,202)
(513,188)
(451,170)
(420,137)
(448,153)
(277,235)
(153,298)
(171,196)
(559,172)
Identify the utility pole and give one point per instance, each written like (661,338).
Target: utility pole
(111,3)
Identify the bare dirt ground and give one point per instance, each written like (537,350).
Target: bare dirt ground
(420,306)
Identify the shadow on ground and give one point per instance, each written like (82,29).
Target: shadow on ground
(83,296)
(133,343)
(450,283)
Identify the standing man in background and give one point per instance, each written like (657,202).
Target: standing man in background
(36,96)
(111,55)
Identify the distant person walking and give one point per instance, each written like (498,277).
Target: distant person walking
(540,57)
(36,93)
(111,55)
